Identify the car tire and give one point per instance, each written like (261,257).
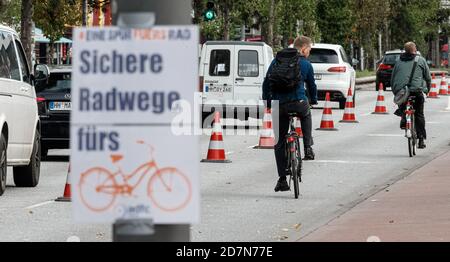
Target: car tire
(44,151)
(3,164)
(28,176)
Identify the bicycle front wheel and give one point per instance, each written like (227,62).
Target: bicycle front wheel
(169,190)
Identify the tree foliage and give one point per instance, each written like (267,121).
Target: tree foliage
(52,16)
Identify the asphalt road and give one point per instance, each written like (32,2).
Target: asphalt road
(238,201)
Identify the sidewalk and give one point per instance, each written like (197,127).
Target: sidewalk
(416,208)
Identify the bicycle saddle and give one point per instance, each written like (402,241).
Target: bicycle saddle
(116,158)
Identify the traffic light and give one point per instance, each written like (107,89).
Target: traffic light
(210,12)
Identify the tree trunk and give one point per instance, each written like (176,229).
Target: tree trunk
(84,12)
(198,6)
(26,27)
(270,35)
(226,22)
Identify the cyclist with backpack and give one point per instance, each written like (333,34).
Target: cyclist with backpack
(285,83)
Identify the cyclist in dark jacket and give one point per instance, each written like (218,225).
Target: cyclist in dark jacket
(420,84)
(296,101)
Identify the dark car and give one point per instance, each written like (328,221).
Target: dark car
(53,98)
(384,71)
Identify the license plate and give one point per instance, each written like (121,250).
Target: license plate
(60,106)
(219,89)
(317,76)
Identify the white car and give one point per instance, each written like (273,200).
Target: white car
(333,72)
(19,121)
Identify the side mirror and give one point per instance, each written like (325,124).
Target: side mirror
(355,62)
(41,72)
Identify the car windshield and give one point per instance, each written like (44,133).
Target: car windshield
(57,83)
(323,56)
(391,59)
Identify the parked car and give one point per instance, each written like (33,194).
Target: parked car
(333,72)
(19,120)
(54,105)
(385,67)
(231,76)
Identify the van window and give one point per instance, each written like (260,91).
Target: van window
(23,63)
(323,56)
(9,66)
(219,64)
(248,63)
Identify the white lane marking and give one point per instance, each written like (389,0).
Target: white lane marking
(386,135)
(229,153)
(341,162)
(434,123)
(41,204)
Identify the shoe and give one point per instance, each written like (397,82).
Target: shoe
(282,185)
(422,143)
(403,124)
(309,154)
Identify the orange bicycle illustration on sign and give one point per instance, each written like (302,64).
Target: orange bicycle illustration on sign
(168,188)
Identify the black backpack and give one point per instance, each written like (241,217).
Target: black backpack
(285,74)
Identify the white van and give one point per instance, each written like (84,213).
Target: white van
(231,77)
(19,121)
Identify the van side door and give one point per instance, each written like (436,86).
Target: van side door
(249,74)
(12,102)
(29,108)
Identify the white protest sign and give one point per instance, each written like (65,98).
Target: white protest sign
(126,162)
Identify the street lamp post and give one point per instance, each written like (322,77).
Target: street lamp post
(143,14)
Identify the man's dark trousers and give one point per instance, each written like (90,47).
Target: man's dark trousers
(281,128)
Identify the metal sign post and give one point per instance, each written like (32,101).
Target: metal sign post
(144,14)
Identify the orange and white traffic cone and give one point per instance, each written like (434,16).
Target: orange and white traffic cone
(67,196)
(443,91)
(267,137)
(433,92)
(349,112)
(216,150)
(380,108)
(298,127)
(327,123)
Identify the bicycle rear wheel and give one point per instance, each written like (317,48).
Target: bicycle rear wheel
(410,147)
(414,135)
(295,168)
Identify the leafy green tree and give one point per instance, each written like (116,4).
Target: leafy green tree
(335,20)
(52,16)
(10,13)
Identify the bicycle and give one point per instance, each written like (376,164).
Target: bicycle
(168,188)
(294,156)
(410,129)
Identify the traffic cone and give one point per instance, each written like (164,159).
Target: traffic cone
(327,123)
(380,108)
(349,112)
(433,92)
(267,137)
(216,151)
(67,194)
(443,91)
(298,127)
